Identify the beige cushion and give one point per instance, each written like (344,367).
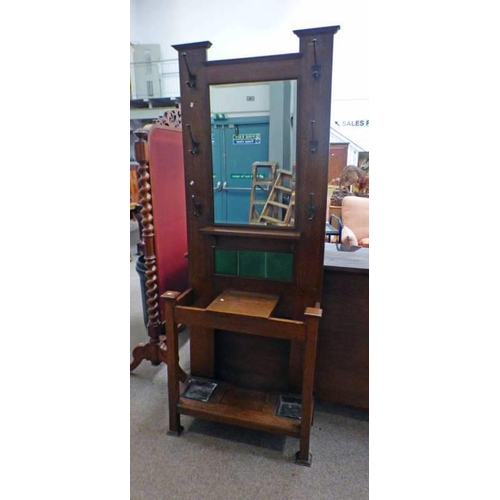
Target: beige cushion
(355,210)
(348,237)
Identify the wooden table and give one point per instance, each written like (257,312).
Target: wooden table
(343,339)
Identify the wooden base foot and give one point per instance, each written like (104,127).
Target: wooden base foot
(300,461)
(156,353)
(175,433)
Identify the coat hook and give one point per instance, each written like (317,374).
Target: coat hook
(194,145)
(192,78)
(197,207)
(312,208)
(313,143)
(316,66)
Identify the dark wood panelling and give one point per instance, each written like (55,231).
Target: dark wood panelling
(252,362)
(342,365)
(337,160)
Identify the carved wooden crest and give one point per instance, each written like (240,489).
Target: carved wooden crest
(171,119)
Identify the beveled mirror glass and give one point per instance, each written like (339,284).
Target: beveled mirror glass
(254,152)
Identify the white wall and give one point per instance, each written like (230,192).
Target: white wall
(231,99)
(261,27)
(146,72)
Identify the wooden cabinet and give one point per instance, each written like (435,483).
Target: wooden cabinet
(337,160)
(342,365)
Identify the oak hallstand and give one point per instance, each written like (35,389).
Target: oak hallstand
(218,305)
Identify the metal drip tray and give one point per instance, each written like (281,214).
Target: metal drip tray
(199,390)
(289,406)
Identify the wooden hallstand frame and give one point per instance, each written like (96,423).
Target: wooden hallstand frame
(217,307)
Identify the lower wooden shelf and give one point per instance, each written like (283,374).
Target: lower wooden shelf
(243,407)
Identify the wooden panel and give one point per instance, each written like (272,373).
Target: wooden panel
(266,68)
(202,351)
(252,362)
(244,398)
(251,232)
(255,410)
(342,364)
(312,167)
(198,175)
(337,160)
(265,327)
(245,303)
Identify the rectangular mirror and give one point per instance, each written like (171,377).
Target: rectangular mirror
(254,152)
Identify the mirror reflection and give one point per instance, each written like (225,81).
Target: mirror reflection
(253,152)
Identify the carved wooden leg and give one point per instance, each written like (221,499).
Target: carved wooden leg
(153,350)
(157,354)
(313,315)
(144,351)
(174,420)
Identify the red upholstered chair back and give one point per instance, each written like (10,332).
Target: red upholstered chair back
(169,208)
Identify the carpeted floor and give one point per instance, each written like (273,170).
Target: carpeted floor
(215,461)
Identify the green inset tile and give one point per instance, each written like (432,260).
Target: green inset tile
(226,262)
(252,264)
(280,266)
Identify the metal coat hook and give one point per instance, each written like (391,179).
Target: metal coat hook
(194,145)
(316,66)
(197,207)
(313,143)
(312,208)
(192,78)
